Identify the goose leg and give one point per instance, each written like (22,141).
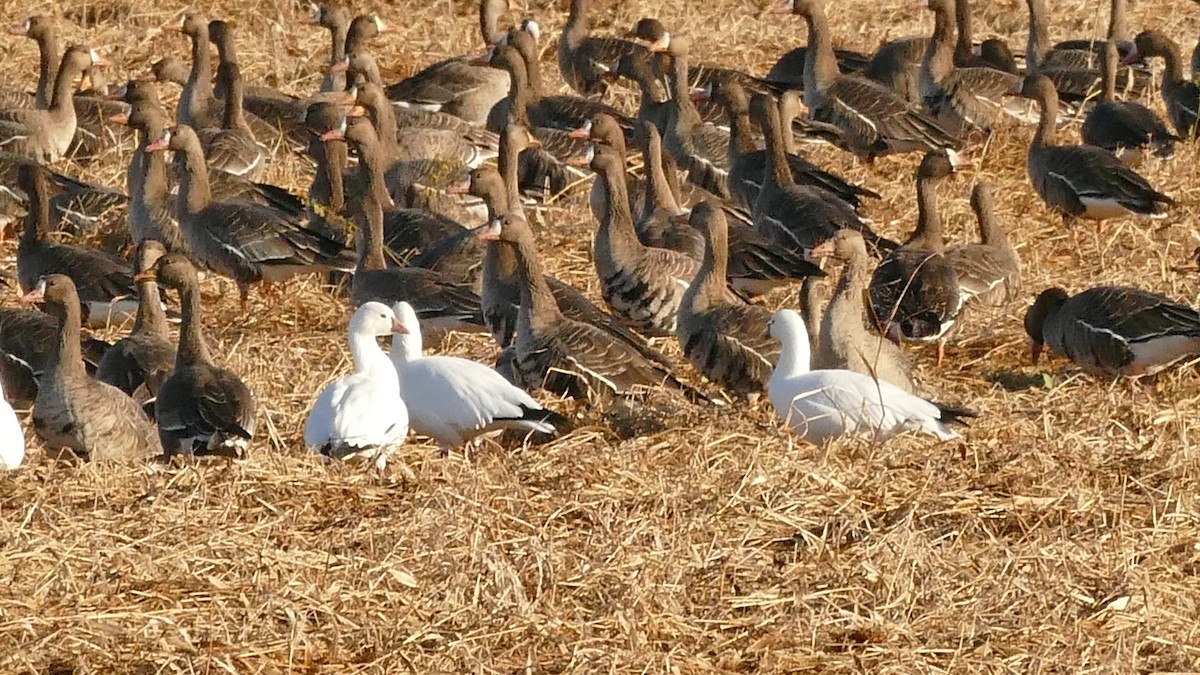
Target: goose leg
(244,294)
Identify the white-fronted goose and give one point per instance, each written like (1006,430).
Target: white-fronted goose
(231,147)
(46,135)
(641,285)
(604,130)
(724,338)
(1118,33)
(1074,72)
(844,343)
(1181,96)
(138,363)
(28,340)
(749,165)
(662,221)
(700,149)
(443,304)
(962,99)
(336,20)
(201,409)
(41,30)
(897,66)
(797,216)
(453,400)
(459,86)
(363,29)
(991,269)
(824,405)
(75,412)
(1123,127)
(564,356)
(169,69)
(1081,181)
(151,211)
(586,61)
(362,415)
(1113,330)
(12,439)
(198,108)
(101,280)
(914,292)
(247,242)
(874,119)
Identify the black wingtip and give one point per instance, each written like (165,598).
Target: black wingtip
(955,415)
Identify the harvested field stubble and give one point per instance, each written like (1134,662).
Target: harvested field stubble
(1063,534)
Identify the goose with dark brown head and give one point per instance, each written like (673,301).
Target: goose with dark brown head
(75,412)
(1180,95)
(1125,128)
(46,135)
(201,408)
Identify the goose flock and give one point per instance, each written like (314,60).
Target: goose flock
(421,217)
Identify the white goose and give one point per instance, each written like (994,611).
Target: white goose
(821,405)
(12,440)
(361,415)
(453,400)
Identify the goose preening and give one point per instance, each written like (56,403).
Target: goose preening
(201,409)
(12,439)
(823,405)
(844,342)
(453,400)
(1113,330)
(74,412)
(1124,127)
(1082,181)
(914,292)
(362,415)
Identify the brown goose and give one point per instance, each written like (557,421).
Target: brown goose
(1124,127)
(1113,330)
(459,86)
(604,130)
(46,135)
(415,142)
(247,242)
(169,69)
(698,148)
(914,292)
(336,20)
(586,61)
(641,285)
(75,412)
(198,108)
(561,355)
(874,119)
(723,337)
(40,29)
(1074,72)
(1180,95)
(440,303)
(151,211)
(28,344)
(844,343)
(104,283)
(138,363)
(1081,181)
(962,99)
(201,409)
(749,165)
(1118,32)
(797,216)
(662,223)
(255,97)
(231,147)
(989,270)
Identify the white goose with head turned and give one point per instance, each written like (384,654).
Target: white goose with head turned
(453,400)
(823,405)
(361,415)
(12,439)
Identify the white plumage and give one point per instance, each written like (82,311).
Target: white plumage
(12,439)
(362,415)
(821,405)
(453,400)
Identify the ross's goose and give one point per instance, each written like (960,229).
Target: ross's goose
(821,405)
(361,415)
(12,440)
(453,400)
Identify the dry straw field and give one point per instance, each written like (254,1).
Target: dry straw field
(1061,536)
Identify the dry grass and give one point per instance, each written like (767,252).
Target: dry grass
(1061,536)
